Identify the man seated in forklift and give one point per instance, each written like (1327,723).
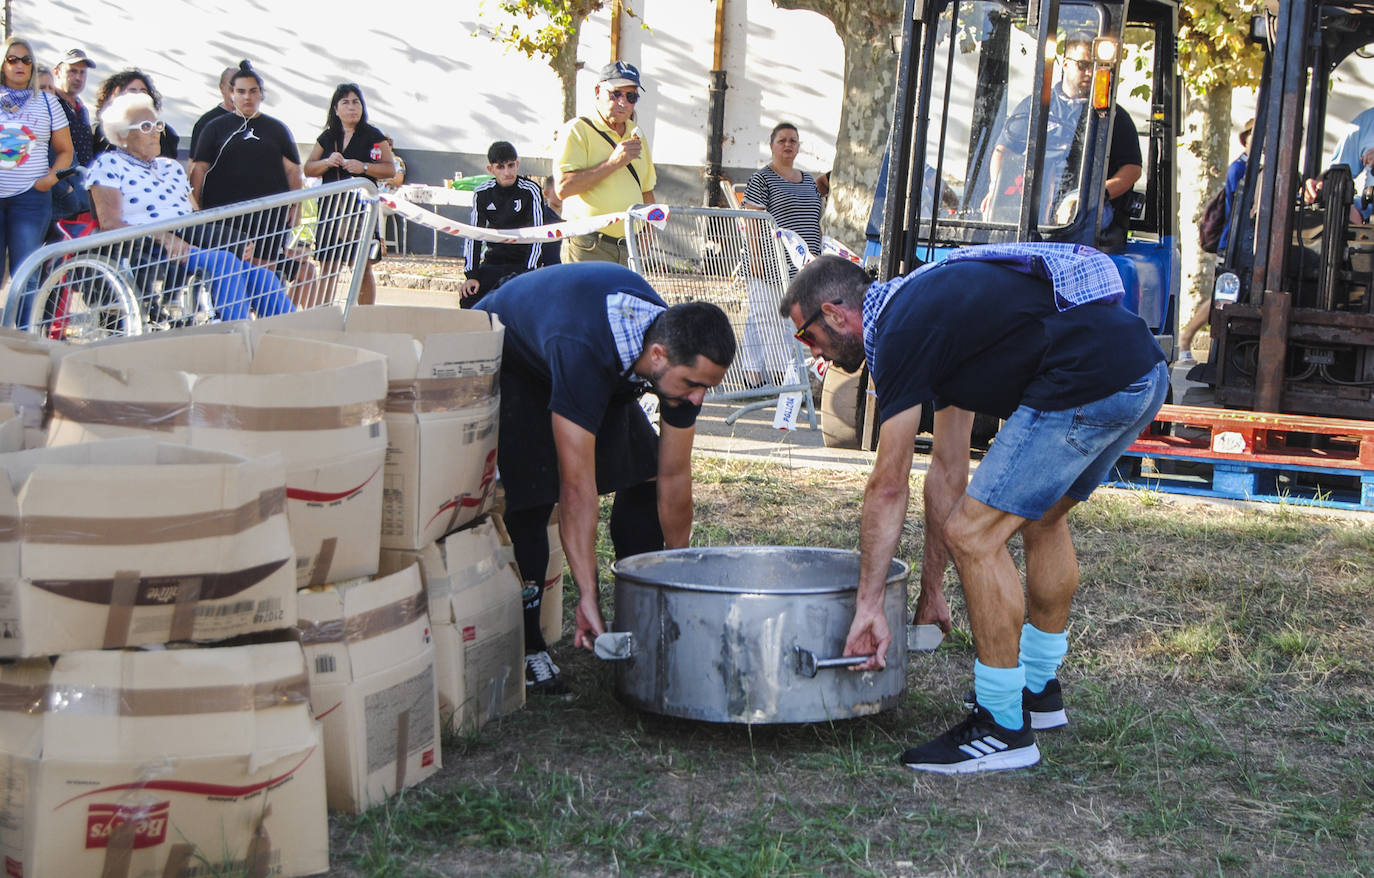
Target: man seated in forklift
(1064,132)
(1355,150)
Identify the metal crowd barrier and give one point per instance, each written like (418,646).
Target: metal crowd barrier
(732,259)
(287,252)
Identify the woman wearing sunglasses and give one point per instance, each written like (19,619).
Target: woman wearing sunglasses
(133,185)
(348,147)
(29,120)
(133,81)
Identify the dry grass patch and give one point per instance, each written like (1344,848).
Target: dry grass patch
(1218,685)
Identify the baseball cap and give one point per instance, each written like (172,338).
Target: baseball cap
(618,74)
(76,56)
(500,151)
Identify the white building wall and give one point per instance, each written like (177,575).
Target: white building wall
(435,81)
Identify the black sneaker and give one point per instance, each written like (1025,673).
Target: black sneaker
(1046,708)
(976,744)
(541,675)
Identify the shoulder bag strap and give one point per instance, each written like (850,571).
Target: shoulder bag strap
(606,137)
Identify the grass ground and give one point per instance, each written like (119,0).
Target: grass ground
(1218,687)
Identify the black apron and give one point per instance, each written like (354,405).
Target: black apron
(626,444)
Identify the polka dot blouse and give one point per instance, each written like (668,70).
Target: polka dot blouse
(149,191)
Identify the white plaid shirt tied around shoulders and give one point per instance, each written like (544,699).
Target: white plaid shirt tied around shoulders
(1078,273)
(629,318)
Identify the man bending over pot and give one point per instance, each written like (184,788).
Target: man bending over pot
(1035,334)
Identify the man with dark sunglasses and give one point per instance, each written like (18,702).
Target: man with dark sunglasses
(605,165)
(1034,334)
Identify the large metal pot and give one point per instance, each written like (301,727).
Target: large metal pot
(751,634)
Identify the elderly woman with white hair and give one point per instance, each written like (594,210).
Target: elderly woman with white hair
(133,185)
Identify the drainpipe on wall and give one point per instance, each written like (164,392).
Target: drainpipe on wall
(715,123)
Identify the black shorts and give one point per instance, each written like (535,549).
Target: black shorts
(340,228)
(626,445)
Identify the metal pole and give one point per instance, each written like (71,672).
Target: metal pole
(715,119)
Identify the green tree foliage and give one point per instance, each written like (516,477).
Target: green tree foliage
(1214,46)
(550,31)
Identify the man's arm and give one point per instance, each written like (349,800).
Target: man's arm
(675,484)
(1123,180)
(567,183)
(884,512)
(578,509)
(198,170)
(944,485)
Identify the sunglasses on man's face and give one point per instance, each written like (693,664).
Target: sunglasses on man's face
(27,60)
(803,334)
(629,97)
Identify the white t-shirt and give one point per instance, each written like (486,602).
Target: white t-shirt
(24,137)
(149,191)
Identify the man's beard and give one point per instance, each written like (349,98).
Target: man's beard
(849,351)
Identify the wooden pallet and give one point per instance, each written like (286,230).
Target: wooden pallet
(1259,481)
(1245,455)
(1252,437)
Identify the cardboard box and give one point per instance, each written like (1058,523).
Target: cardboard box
(132,542)
(442,412)
(174,762)
(477,619)
(11,429)
(318,404)
(25,367)
(371,663)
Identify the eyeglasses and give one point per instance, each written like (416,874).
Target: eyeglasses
(805,337)
(629,97)
(1080,63)
(148,127)
(27,60)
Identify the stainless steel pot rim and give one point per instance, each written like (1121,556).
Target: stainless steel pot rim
(650,568)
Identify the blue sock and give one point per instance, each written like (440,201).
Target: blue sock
(998,690)
(1041,655)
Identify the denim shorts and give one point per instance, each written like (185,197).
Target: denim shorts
(1039,457)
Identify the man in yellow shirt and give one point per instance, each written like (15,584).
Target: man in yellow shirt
(605,166)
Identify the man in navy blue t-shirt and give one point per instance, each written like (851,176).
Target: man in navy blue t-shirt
(1076,377)
(583,342)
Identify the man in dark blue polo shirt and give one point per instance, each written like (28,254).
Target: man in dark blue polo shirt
(1031,333)
(583,342)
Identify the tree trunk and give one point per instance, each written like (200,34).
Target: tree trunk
(564,63)
(870,77)
(1208,148)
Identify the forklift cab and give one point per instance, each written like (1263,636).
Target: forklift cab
(1023,110)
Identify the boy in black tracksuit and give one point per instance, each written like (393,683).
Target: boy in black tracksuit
(510,201)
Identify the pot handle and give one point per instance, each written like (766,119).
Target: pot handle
(808,665)
(614,646)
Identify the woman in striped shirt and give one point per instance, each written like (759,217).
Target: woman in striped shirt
(790,195)
(29,119)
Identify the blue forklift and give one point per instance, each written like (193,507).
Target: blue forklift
(1017,120)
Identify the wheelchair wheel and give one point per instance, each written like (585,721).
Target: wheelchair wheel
(85,298)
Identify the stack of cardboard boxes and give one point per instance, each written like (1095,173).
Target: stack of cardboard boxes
(283,454)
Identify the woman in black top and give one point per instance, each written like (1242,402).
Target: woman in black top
(348,147)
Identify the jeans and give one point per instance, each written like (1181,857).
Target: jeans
(237,286)
(24,221)
(1041,456)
